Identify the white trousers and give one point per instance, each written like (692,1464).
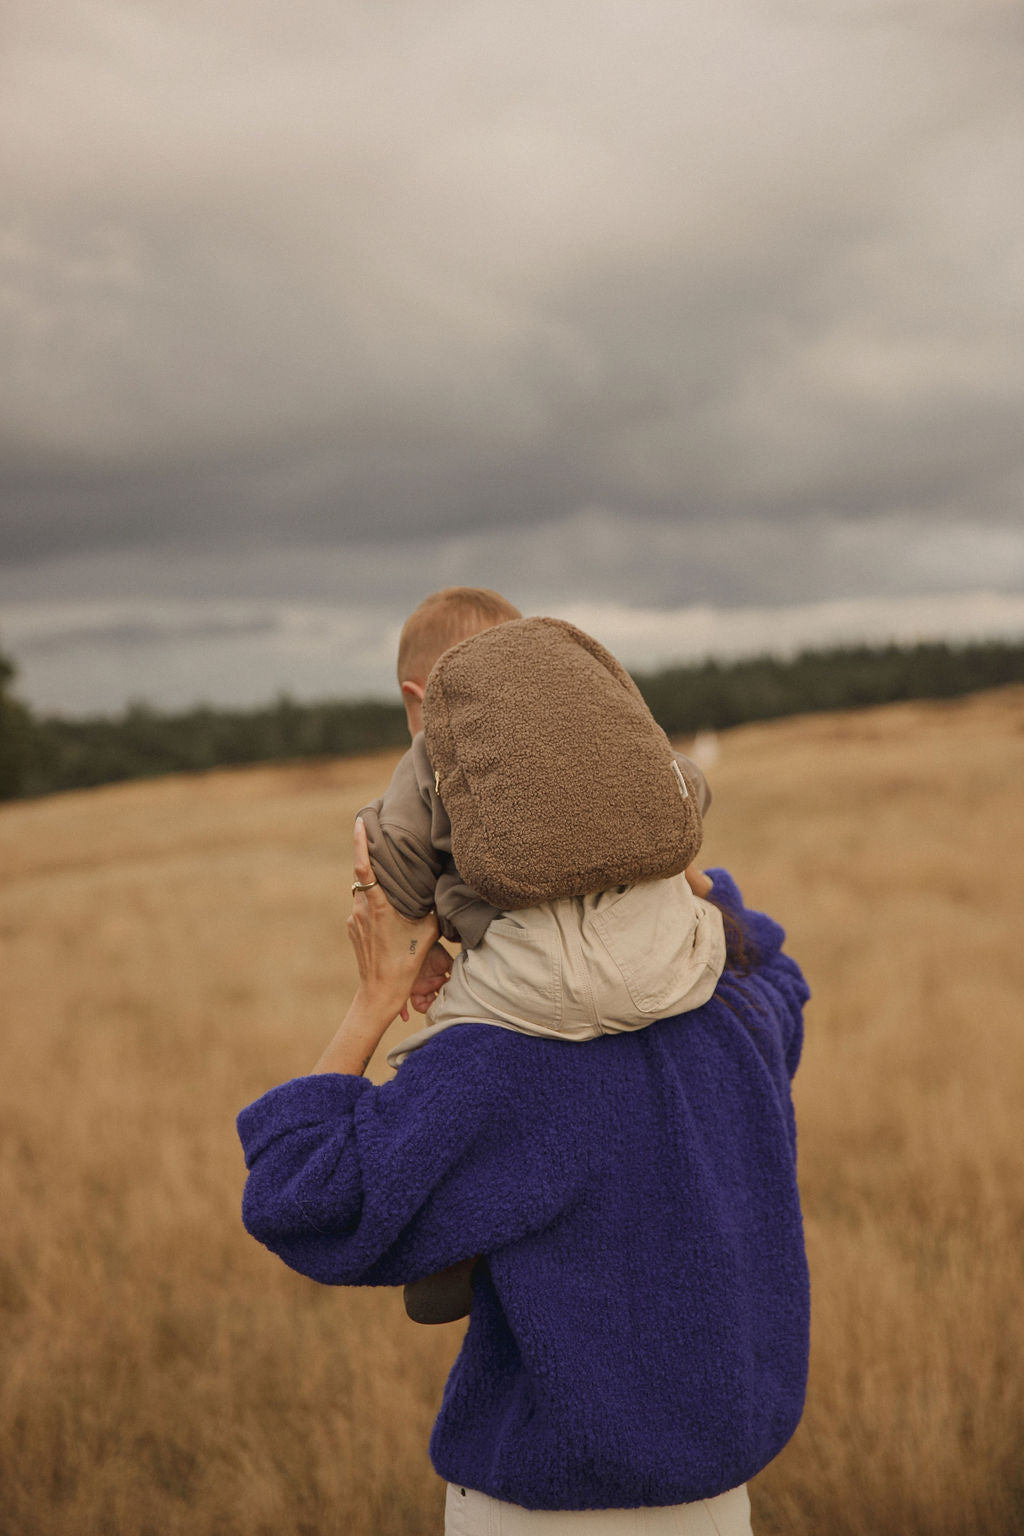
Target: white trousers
(585,966)
(468,1513)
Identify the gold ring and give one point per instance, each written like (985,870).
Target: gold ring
(358,885)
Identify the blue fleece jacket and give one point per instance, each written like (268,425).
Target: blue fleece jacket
(639,1333)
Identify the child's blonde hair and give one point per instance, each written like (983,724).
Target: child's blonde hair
(443,619)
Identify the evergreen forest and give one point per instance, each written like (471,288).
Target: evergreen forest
(40,755)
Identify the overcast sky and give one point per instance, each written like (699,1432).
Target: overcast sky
(702,323)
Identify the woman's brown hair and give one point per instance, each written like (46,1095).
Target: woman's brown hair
(740,952)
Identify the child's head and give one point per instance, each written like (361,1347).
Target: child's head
(441,621)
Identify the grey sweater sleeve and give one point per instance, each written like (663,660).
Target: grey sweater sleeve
(398,828)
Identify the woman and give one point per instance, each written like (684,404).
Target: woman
(638,1336)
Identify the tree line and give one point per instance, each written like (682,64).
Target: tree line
(43,754)
(714,695)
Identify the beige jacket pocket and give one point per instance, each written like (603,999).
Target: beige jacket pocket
(662,940)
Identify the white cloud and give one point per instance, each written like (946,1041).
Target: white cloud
(650,640)
(87,658)
(96,658)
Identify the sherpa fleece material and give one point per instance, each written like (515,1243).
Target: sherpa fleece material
(409,835)
(639,1332)
(556,776)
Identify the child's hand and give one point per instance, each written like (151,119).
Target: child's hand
(433,973)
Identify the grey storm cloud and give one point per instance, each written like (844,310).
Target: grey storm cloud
(359,273)
(134,633)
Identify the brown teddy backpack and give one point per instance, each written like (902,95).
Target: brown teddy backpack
(555,775)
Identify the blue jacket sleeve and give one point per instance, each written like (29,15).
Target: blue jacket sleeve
(353,1183)
(776,982)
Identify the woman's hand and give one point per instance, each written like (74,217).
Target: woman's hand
(389,951)
(697,880)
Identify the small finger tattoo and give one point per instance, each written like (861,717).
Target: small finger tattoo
(412,946)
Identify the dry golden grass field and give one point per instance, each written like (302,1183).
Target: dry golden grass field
(169,950)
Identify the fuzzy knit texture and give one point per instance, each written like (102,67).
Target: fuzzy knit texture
(639,1332)
(555,775)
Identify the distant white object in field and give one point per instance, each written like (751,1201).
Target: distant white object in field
(704,749)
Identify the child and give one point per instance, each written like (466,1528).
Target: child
(566,799)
